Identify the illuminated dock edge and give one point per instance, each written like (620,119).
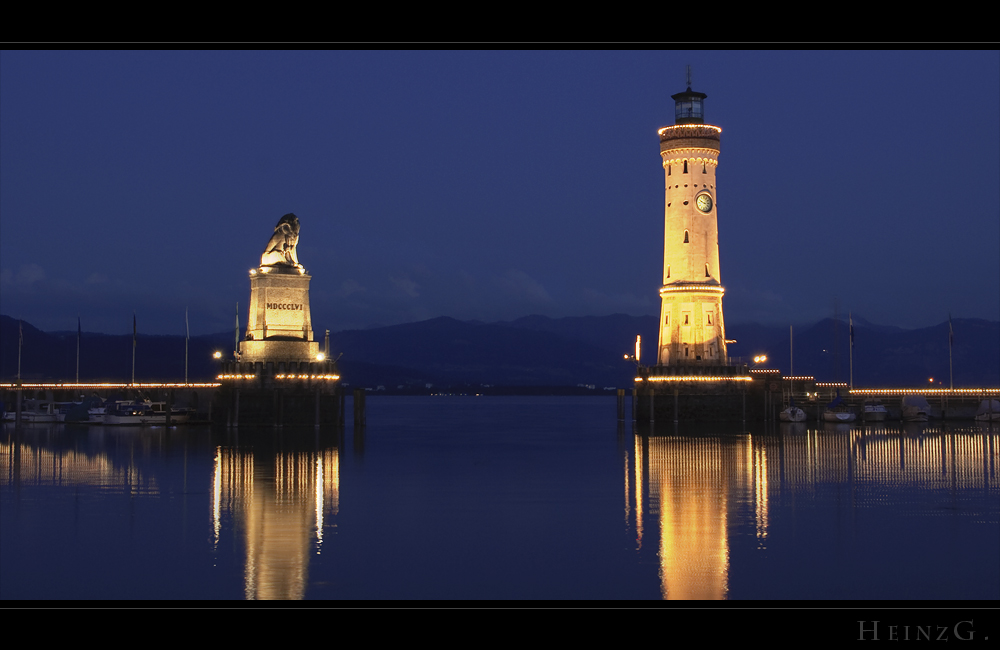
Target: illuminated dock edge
(702,378)
(734,392)
(278,394)
(100,385)
(246,394)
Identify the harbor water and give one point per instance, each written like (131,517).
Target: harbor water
(501,498)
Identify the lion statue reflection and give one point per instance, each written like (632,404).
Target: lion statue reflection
(280,251)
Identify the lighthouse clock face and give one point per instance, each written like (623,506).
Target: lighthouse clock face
(704,202)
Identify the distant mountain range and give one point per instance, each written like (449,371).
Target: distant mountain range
(531,351)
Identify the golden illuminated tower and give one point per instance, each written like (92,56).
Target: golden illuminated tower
(691,325)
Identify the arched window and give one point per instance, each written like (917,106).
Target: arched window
(706,272)
(668,170)
(668,270)
(686,237)
(685,166)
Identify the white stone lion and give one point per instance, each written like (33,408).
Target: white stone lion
(280,251)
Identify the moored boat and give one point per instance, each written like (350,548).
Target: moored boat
(35,411)
(914,408)
(988,411)
(874,411)
(839,414)
(837,411)
(792,413)
(137,412)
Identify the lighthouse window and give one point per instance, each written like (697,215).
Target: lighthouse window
(686,237)
(685,166)
(710,318)
(668,170)
(685,319)
(703,168)
(668,270)
(706,271)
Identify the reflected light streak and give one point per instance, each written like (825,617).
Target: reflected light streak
(216,494)
(281,507)
(628,488)
(692,490)
(318,496)
(758,459)
(37,466)
(639,491)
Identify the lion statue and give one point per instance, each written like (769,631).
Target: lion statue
(280,251)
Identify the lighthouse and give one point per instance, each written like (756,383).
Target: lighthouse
(691,323)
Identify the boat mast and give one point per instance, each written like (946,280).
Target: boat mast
(791,364)
(850,323)
(236,349)
(20,342)
(951,339)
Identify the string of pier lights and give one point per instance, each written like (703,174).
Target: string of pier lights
(319,357)
(289,376)
(108,385)
(761,358)
(694,378)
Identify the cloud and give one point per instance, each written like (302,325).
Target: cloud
(26,276)
(518,284)
(599,303)
(406,286)
(347,287)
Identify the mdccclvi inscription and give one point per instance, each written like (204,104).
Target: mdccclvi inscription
(284,305)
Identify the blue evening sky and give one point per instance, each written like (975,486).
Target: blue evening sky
(491,185)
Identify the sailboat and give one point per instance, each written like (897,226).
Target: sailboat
(989,411)
(792,413)
(837,411)
(915,408)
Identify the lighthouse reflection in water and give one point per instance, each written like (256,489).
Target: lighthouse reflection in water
(501,498)
(708,495)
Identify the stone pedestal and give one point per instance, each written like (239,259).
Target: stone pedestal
(279,327)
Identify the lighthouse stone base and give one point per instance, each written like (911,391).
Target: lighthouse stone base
(279,327)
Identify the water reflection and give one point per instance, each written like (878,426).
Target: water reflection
(698,488)
(42,460)
(276,495)
(513,505)
(282,504)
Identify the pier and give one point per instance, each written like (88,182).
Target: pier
(195,396)
(279,394)
(737,393)
(245,395)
